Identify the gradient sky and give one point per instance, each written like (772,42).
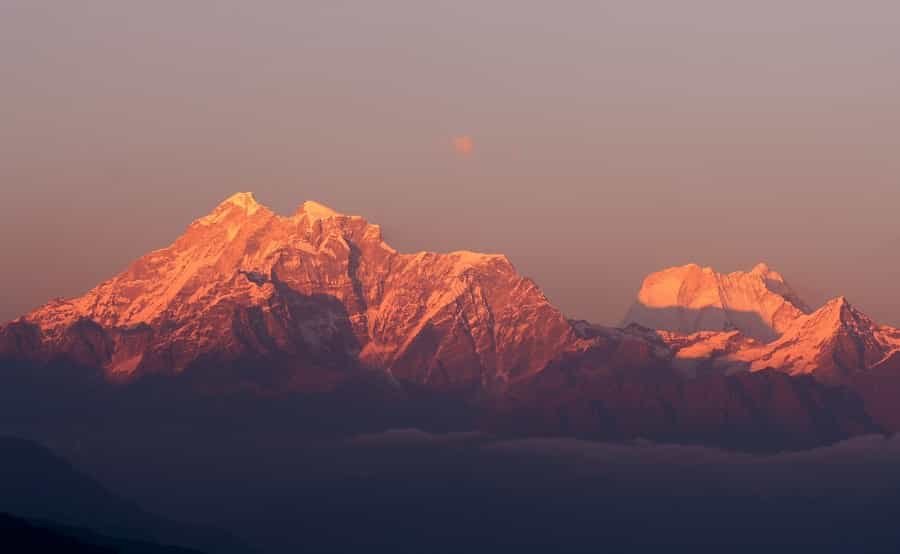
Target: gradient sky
(611,138)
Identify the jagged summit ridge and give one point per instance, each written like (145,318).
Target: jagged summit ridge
(833,342)
(246,204)
(691,298)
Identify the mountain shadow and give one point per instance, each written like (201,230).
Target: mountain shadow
(298,341)
(21,535)
(690,320)
(35,484)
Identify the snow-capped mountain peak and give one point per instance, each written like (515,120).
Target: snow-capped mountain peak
(833,342)
(692,298)
(315,210)
(317,291)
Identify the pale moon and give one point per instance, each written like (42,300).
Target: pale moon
(463,145)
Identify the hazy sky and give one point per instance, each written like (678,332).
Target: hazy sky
(610,138)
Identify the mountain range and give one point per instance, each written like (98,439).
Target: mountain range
(247,299)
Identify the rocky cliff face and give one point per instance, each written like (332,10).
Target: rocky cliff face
(687,299)
(312,295)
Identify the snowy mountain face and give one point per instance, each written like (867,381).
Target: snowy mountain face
(690,298)
(312,294)
(832,343)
